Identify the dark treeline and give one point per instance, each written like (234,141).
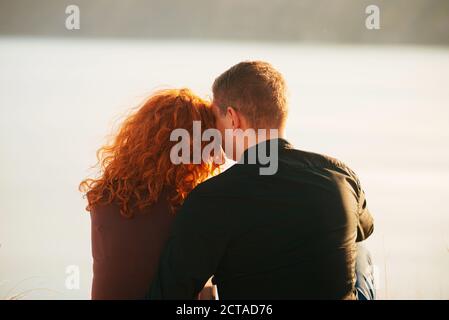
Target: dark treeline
(402,21)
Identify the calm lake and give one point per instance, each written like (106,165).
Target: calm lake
(382,110)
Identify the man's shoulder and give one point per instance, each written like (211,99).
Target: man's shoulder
(318,160)
(210,196)
(218,183)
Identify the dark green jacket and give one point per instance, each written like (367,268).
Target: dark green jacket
(289,235)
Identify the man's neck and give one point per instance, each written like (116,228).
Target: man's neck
(269,135)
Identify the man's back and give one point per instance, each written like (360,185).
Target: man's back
(288,235)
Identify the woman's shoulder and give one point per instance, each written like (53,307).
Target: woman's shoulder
(110,213)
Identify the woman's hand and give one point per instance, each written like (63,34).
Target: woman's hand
(209,291)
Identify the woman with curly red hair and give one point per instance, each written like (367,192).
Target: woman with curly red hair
(134,199)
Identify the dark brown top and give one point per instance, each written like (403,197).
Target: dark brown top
(126,251)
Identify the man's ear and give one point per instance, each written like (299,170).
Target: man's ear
(234,118)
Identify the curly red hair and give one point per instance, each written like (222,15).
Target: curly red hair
(136,170)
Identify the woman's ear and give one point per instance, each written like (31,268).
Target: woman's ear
(234,118)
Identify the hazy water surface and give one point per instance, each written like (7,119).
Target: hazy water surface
(382,110)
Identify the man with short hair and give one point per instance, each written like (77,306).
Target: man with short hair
(290,234)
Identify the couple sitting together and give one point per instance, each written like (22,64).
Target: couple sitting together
(161,229)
